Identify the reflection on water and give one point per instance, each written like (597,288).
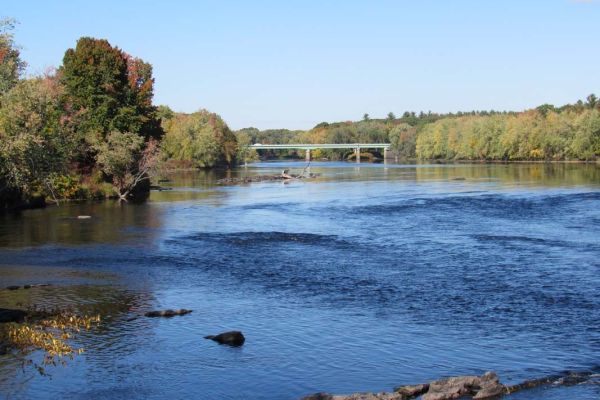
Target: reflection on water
(365,278)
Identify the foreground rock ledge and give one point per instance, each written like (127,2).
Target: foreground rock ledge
(486,386)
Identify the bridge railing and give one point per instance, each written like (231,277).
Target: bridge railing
(308,147)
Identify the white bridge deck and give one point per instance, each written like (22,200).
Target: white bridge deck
(308,147)
(305,146)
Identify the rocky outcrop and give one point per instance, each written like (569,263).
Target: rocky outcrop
(356,396)
(487,386)
(232,338)
(411,391)
(167,313)
(484,387)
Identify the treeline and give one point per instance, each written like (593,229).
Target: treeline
(531,135)
(89,129)
(570,132)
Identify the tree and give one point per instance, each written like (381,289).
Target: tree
(11,65)
(107,90)
(544,109)
(128,161)
(403,140)
(592,101)
(34,141)
(244,152)
(391,116)
(365,117)
(202,138)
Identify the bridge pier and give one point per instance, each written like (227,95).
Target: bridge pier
(357,154)
(307,154)
(385,154)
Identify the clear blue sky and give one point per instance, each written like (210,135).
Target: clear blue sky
(294,64)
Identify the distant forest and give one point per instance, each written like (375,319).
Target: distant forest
(90,130)
(570,132)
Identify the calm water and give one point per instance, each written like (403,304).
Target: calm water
(363,279)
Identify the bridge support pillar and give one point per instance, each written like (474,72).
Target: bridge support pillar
(307,154)
(385,154)
(357,154)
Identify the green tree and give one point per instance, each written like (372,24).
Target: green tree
(592,101)
(365,117)
(107,90)
(34,141)
(202,138)
(128,161)
(391,116)
(11,65)
(403,140)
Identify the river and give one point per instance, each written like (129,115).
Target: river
(364,278)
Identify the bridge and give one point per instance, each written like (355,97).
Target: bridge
(308,147)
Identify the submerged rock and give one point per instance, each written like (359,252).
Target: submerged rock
(357,396)
(13,287)
(232,338)
(9,315)
(167,313)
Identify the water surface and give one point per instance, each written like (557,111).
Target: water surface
(365,278)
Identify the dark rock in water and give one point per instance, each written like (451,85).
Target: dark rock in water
(357,396)
(411,391)
(13,287)
(3,349)
(167,313)
(233,338)
(318,396)
(569,378)
(8,315)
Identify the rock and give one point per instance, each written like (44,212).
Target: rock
(84,216)
(8,315)
(484,387)
(450,388)
(357,396)
(372,396)
(167,313)
(318,396)
(490,387)
(411,391)
(13,287)
(232,338)
(3,349)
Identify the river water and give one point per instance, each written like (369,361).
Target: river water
(367,277)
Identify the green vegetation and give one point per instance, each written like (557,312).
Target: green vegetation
(547,133)
(90,130)
(202,139)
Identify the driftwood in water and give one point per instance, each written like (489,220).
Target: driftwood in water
(284,176)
